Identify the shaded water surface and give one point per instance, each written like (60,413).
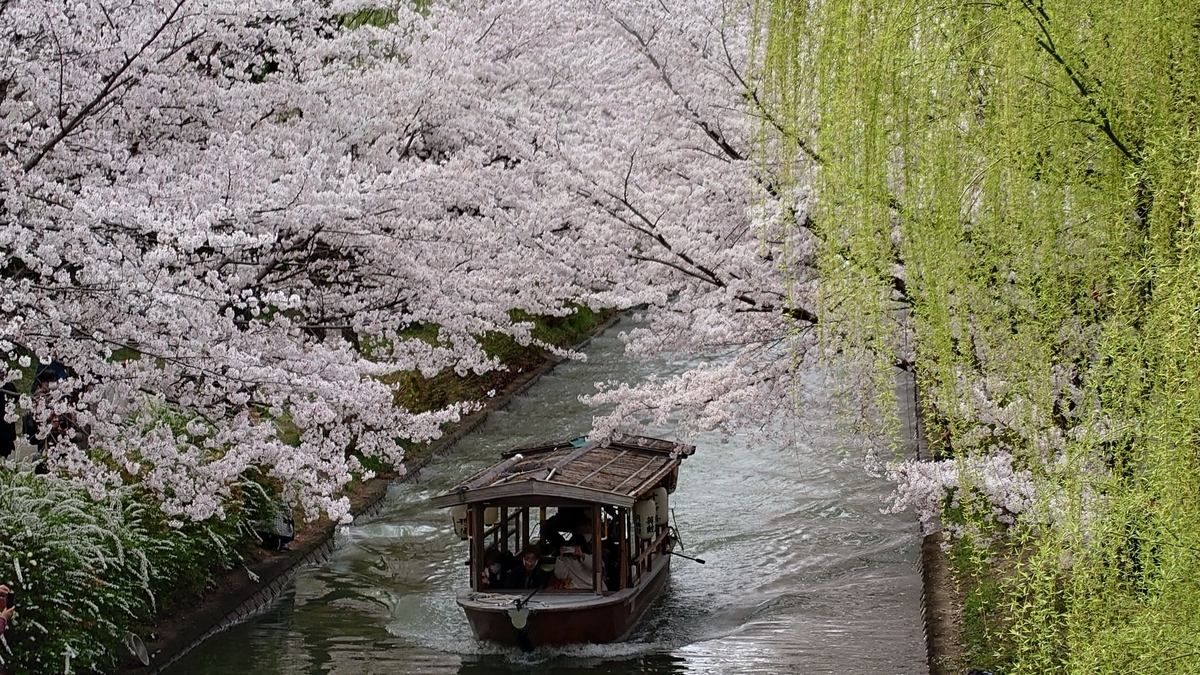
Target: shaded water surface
(803,574)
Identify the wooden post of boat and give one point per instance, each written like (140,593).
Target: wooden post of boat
(504,531)
(524,531)
(623,548)
(632,566)
(476,561)
(597,575)
(639,545)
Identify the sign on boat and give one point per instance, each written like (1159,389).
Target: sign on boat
(545,501)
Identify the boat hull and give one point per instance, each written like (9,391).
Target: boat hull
(595,619)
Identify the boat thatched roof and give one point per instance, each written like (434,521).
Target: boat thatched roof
(618,471)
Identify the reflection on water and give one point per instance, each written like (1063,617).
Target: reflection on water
(803,574)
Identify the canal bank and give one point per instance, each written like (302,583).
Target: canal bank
(941,606)
(239,594)
(805,574)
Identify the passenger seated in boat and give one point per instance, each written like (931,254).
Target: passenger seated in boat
(574,563)
(492,576)
(528,574)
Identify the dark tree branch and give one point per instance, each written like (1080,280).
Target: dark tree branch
(1046,43)
(113,82)
(716,137)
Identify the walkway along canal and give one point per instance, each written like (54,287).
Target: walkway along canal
(804,574)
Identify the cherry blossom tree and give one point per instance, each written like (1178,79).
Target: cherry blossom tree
(639,115)
(227,217)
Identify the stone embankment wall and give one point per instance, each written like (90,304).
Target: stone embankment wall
(937,598)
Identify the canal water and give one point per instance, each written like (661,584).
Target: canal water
(804,573)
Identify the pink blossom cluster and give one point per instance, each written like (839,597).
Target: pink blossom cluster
(226,217)
(1017,445)
(982,482)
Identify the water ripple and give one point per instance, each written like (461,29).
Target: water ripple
(804,573)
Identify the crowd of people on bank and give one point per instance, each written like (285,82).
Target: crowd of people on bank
(568,538)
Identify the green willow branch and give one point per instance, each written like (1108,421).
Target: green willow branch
(1046,42)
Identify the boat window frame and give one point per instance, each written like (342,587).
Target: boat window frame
(637,557)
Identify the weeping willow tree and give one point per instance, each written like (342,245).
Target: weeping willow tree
(1024,178)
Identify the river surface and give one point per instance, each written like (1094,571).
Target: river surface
(804,573)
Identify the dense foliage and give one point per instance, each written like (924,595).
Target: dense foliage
(1006,197)
(85,570)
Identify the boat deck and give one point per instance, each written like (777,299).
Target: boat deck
(559,618)
(542,600)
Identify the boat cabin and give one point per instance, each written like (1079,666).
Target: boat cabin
(537,495)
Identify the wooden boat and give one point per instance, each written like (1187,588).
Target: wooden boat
(619,486)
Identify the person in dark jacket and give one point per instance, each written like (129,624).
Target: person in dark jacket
(561,523)
(493,576)
(8,430)
(5,616)
(527,574)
